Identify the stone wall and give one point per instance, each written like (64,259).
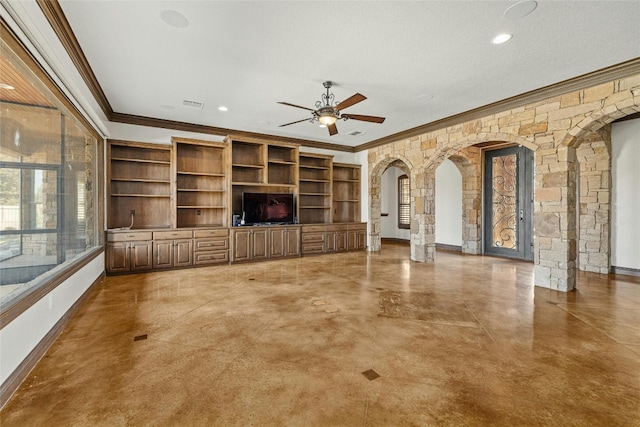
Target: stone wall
(554,128)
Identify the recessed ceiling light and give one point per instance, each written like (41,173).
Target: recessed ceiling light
(501,38)
(223,108)
(175,19)
(6,86)
(520,9)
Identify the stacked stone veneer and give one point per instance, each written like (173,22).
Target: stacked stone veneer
(554,128)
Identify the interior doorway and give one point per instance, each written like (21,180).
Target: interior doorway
(508,203)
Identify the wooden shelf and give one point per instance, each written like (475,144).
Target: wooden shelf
(314,207)
(282,162)
(141,195)
(314,194)
(202,183)
(158,162)
(197,190)
(220,175)
(244,165)
(158,181)
(201,207)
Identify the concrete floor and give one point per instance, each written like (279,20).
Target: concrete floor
(349,339)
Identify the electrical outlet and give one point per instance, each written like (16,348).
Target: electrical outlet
(133,211)
(198,212)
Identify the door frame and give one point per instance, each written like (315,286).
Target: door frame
(524,203)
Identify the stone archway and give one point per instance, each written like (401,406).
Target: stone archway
(468,161)
(375,196)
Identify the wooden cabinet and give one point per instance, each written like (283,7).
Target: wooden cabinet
(346,193)
(259,166)
(210,246)
(139,191)
(250,243)
(314,188)
(201,183)
(171,206)
(357,237)
(313,239)
(284,242)
(172,249)
(129,252)
(336,238)
(261,243)
(331,238)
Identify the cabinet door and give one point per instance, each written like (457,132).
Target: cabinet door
(292,240)
(241,245)
(341,240)
(330,241)
(352,243)
(182,250)
(163,254)
(118,257)
(259,244)
(362,240)
(141,256)
(277,242)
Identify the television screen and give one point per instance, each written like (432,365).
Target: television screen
(268,208)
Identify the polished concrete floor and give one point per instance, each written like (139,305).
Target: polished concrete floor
(353,339)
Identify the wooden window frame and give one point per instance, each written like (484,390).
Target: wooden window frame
(404,206)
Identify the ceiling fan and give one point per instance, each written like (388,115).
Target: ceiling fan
(328,112)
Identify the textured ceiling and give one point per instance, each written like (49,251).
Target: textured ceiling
(415,61)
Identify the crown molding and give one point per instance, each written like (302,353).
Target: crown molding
(58,21)
(212,130)
(594,78)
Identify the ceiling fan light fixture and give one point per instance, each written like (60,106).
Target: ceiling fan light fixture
(327,119)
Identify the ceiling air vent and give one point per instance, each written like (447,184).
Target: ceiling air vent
(355,133)
(192,104)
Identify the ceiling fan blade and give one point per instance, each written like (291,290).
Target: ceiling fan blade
(294,105)
(293,123)
(351,101)
(333,129)
(373,119)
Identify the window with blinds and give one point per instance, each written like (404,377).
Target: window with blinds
(404,202)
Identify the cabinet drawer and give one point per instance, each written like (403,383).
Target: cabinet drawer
(201,258)
(337,227)
(312,228)
(222,232)
(358,227)
(211,244)
(130,236)
(312,237)
(176,234)
(312,248)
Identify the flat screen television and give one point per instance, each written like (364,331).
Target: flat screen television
(268,208)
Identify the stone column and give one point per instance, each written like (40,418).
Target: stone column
(423,223)
(471,170)
(555,219)
(375,206)
(594,184)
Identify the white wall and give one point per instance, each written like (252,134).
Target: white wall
(625,196)
(448,204)
(389,205)
(22,335)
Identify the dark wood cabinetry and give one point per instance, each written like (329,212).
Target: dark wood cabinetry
(330,238)
(250,243)
(346,192)
(171,206)
(127,252)
(172,249)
